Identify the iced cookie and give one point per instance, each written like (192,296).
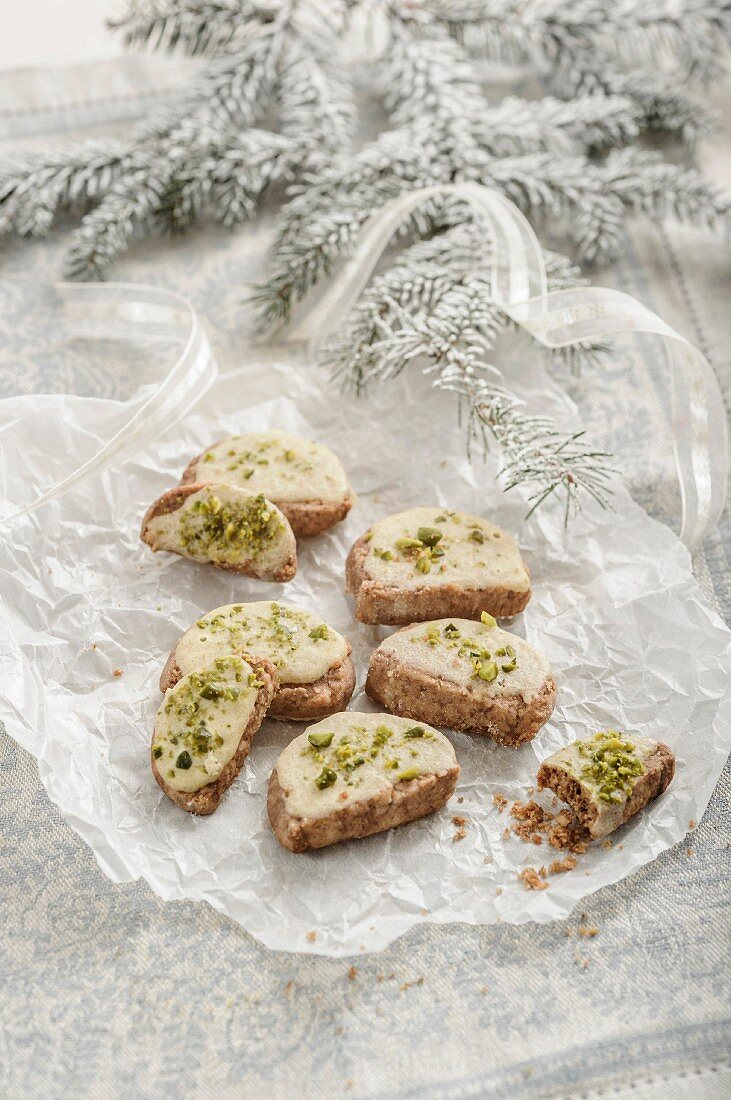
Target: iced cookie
(230,528)
(467,675)
(204,728)
(357,774)
(304,479)
(608,778)
(316,674)
(430,562)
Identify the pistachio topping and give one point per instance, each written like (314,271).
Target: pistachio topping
(236,527)
(320,740)
(611,765)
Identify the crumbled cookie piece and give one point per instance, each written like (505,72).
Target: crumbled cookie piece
(532,879)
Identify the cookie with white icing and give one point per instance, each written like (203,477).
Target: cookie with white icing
(315,671)
(204,729)
(608,778)
(225,526)
(303,478)
(357,774)
(466,675)
(427,563)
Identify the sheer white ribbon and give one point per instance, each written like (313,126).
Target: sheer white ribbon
(518,285)
(126,310)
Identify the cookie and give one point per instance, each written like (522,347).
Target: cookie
(316,674)
(428,563)
(466,675)
(304,479)
(230,528)
(608,778)
(204,729)
(357,774)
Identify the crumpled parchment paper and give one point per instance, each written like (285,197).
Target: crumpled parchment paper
(615,608)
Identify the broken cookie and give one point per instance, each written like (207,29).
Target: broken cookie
(228,527)
(608,778)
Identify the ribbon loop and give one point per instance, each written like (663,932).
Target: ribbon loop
(558,319)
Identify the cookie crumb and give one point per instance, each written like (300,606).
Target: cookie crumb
(607,844)
(692,824)
(352,973)
(484,989)
(487,859)
(408,985)
(312,936)
(690,852)
(289,989)
(588,931)
(500,802)
(459,820)
(118,672)
(459,835)
(460,800)
(531,879)
(559,866)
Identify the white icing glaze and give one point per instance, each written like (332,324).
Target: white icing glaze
(300,763)
(466,562)
(209,730)
(426,648)
(282,466)
(610,814)
(265,629)
(262,555)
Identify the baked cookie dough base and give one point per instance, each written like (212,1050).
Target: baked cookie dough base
(409,693)
(206,799)
(389,606)
(405,801)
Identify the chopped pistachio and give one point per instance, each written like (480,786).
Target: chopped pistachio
(429,535)
(487,619)
(157,751)
(423,563)
(408,544)
(320,739)
(510,651)
(326,778)
(290,455)
(409,773)
(184,761)
(385,555)
(476,536)
(319,633)
(415,731)
(487,672)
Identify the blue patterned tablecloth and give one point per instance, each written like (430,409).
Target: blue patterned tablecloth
(109,992)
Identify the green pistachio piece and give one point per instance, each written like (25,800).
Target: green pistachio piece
(487,619)
(430,536)
(510,651)
(184,761)
(409,773)
(423,563)
(321,739)
(476,536)
(326,778)
(487,672)
(157,751)
(319,633)
(408,544)
(415,731)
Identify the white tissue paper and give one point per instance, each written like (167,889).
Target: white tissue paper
(615,608)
